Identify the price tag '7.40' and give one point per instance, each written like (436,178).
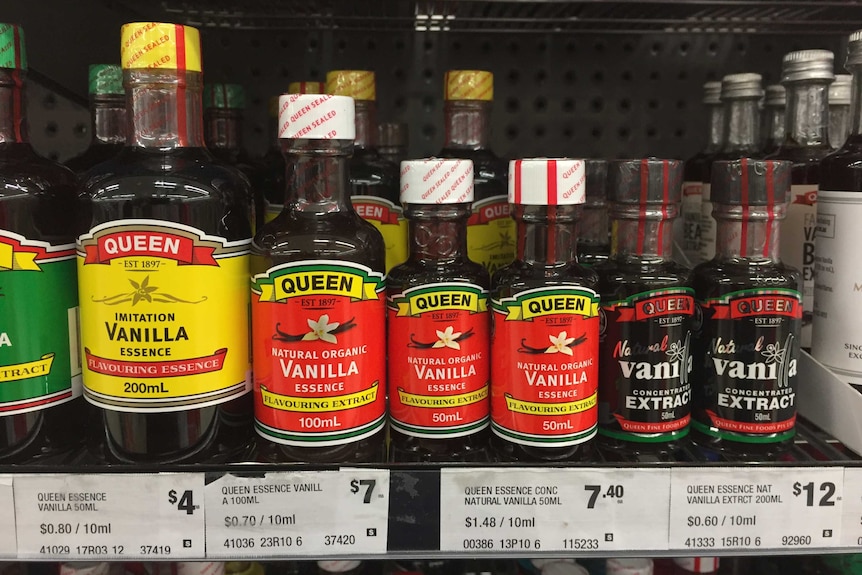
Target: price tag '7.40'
(110,516)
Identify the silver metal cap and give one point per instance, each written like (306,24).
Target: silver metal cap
(839,90)
(776,96)
(645,181)
(712,93)
(807,65)
(741,86)
(854,48)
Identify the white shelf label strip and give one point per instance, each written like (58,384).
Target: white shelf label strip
(298,513)
(851,524)
(109,516)
(755,508)
(565,510)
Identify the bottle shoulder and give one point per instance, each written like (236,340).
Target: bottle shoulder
(371,175)
(490,173)
(94,155)
(717,277)
(622,279)
(414,273)
(519,276)
(23,170)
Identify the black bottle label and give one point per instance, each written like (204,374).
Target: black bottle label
(645,393)
(747,350)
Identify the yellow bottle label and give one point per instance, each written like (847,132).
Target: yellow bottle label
(389,219)
(164,316)
(491,233)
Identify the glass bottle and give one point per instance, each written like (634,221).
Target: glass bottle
(648,305)
(594,238)
(438,323)
(687,231)
(806,76)
(746,336)
(269,179)
(545,322)
(741,94)
(392,137)
(318,302)
(40,216)
(772,132)
(373,180)
(223,126)
(839,110)
(468,96)
(108,117)
(835,341)
(163,269)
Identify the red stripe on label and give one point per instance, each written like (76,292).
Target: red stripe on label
(770,205)
(743,240)
(552,182)
(16,42)
(664,206)
(643,206)
(517,181)
(182,119)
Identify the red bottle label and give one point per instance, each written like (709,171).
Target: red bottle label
(319,353)
(544,367)
(438,360)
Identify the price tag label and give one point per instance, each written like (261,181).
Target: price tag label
(755,508)
(851,525)
(527,510)
(8,540)
(317,513)
(109,516)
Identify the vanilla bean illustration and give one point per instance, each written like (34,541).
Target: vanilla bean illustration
(289,337)
(422,345)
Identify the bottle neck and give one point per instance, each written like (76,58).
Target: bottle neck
(593,226)
(366,124)
(856,100)
(750,232)
(317,176)
(109,119)
(547,235)
(716,128)
(223,129)
(642,233)
(773,127)
(165,108)
(438,232)
(13,123)
(839,124)
(468,124)
(741,124)
(806,120)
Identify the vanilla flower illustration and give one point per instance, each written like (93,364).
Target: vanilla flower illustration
(560,344)
(448,338)
(675,351)
(773,353)
(321,329)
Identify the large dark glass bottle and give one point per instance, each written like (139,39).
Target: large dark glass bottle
(163,270)
(746,338)
(373,180)
(594,238)
(438,325)
(318,302)
(648,304)
(40,216)
(545,322)
(392,139)
(468,96)
(108,117)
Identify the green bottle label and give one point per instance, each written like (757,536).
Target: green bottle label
(40,362)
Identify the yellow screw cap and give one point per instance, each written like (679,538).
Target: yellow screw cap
(160,45)
(358,84)
(469,85)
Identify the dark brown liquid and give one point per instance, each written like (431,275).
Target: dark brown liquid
(489,171)
(371,175)
(209,197)
(714,279)
(97,153)
(334,232)
(39,200)
(437,261)
(842,170)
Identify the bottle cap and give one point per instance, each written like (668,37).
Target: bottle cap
(839,90)
(749,182)
(200,568)
(854,49)
(547,182)
(12,51)
(807,65)
(392,134)
(629,567)
(224,96)
(316,117)
(564,568)
(698,564)
(106,79)
(306,88)
(435,181)
(712,93)
(338,566)
(742,86)
(160,45)
(469,85)
(776,96)
(647,181)
(597,181)
(358,84)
